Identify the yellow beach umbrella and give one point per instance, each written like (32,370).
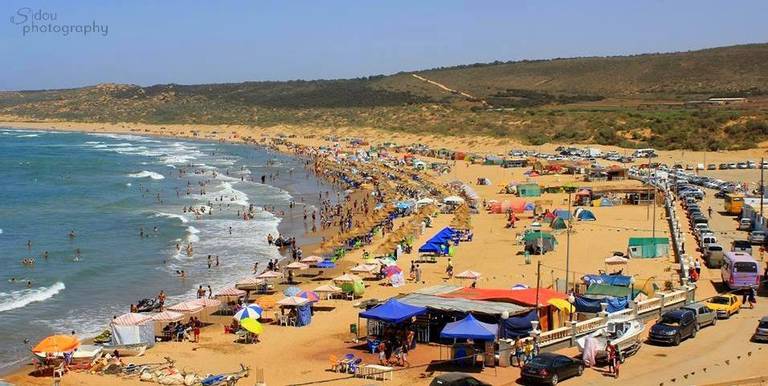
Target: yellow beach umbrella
(252,326)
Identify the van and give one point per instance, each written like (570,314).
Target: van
(713,255)
(739,271)
(707,240)
(745,224)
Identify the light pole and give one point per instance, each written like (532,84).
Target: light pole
(568,244)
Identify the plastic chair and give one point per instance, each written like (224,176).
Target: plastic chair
(334,362)
(354,366)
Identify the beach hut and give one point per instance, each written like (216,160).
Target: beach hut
(528,190)
(558,223)
(648,247)
(586,215)
(133,328)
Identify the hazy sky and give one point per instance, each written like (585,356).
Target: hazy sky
(150,42)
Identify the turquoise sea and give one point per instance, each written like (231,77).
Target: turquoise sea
(107,188)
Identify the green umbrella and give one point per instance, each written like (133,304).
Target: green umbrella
(252,325)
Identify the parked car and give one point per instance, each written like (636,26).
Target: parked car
(741,246)
(711,167)
(745,224)
(761,332)
(551,368)
(723,166)
(705,316)
(673,327)
(756,237)
(713,255)
(457,379)
(707,240)
(725,305)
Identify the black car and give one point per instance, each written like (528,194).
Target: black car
(551,368)
(673,327)
(457,379)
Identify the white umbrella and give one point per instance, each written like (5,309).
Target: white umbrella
(327,288)
(468,275)
(312,259)
(346,278)
(270,275)
(293,301)
(616,260)
(296,265)
(364,268)
(453,200)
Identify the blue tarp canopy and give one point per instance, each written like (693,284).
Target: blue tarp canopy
(518,326)
(431,247)
(470,328)
(617,280)
(393,312)
(586,215)
(593,305)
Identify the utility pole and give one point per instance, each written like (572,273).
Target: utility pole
(568,244)
(538,284)
(762,185)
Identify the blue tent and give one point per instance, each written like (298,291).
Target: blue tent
(605,201)
(586,215)
(431,247)
(562,213)
(517,326)
(303,315)
(617,280)
(393,312)
(529,206)
(470,328)
(593,305)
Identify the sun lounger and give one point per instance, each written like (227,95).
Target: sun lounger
(378,372)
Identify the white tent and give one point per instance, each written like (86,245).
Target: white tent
(132,329)
(456,200)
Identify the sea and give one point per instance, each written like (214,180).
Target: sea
(109,189)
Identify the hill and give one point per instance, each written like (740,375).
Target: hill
(625,100)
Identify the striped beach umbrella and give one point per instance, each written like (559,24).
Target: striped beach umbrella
(291,291)
(309,295)
(252,311)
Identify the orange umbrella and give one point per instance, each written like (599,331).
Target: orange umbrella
(57,343)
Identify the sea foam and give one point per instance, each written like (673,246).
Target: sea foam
(18,299)
(145,174)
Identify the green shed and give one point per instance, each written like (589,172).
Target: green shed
(528,190)
(648,247)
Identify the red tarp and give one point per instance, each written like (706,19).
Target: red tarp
(523,297)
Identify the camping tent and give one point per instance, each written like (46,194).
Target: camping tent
(534,240)
(648,247)
(605,201)
(133,328)
(528,190)
(470,328)
(393,312)
(558,223)
(586,215)
(562,213)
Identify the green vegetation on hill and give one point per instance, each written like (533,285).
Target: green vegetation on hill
(613,100)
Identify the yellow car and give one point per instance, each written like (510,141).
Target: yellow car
(725,305)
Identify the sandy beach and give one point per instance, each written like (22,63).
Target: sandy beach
(288,355)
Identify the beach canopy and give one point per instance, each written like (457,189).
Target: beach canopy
(131,319)
(252,326)
(312,259)
(270,275)
(328,288)
(346,278)
(561,304)
(252,311)
(468,275)
(586,215)
(231,291)
(616,260)
(189,306)
(364,268)
(57,343)
(168,316)
(617,280)
(293,301)
(291,291)
(393,312)
(297,265)
(470,328)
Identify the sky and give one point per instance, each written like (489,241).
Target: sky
(191,42)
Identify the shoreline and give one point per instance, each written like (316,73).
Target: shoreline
(287,225)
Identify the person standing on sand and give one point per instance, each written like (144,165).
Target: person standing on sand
(418,273)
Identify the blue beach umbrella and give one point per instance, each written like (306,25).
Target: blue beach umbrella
(252,311)
(291,291)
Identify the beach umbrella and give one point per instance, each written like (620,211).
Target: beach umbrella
(231,291)
(189,306)
(309,295)
(392,270)
(249,283)
(468,275)
(387,261)
(312,259)
(346,278)
(616,260)
(364,268)
(270,275)
(519,286)
(252,326)
(297,266)
(291,291)
(293,301)
(253,311)
(328,288)
(57,343)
